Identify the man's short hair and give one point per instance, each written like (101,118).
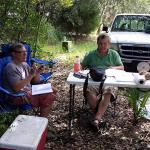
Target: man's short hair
(16,46)
(103,36)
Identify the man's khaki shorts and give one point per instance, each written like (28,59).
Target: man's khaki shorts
(107,89)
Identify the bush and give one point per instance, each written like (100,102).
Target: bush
(82,18)
(137,101)
(48,35)
(6,119)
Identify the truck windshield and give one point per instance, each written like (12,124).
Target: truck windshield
(131,23)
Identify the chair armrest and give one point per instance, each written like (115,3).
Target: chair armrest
(9,93)
(8,107)
(44,62)
(44,77)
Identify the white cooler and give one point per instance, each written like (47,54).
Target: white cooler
(25,133)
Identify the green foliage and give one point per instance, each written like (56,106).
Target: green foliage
(137,101)
(21,20)
(6,119)
(46,55)
(108,9)
(66,3)
(79,48)
(48,35)
(81,18)
(33,21)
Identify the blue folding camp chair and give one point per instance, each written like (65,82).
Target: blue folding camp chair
(5,58)
(4,105)
(30,60)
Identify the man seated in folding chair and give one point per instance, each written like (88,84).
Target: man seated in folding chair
(104,58)
(18,76)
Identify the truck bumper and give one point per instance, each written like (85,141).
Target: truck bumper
(131,65)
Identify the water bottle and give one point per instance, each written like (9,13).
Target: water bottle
(76,66)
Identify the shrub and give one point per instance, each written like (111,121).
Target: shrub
(6,119)
(137,101)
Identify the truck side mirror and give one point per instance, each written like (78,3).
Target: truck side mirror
(105,28)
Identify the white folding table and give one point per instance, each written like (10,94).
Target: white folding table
(118,78)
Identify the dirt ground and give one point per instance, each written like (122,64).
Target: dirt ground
(120,134)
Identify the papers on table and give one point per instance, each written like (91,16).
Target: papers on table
(84,72)
(123,76)
(41,89)
(120,75)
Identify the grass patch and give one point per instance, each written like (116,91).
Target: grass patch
(6,119)
(78,49)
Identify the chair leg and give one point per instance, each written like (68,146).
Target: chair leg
(113,100)
(114,105)
(84,105)
(36,111)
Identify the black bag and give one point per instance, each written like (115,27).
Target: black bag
(97,75)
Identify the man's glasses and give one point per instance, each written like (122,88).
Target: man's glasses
(20,52)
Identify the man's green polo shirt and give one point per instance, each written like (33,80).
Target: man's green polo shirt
(93,59)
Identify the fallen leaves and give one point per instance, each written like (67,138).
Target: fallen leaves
(121,134)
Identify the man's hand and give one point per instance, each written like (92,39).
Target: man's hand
(32,71)
(40,69)
(36,73)
(117,67)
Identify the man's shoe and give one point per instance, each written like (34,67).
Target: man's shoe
(102,124)
(98,125)
(95,125)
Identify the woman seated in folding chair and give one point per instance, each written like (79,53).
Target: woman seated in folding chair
(18,76)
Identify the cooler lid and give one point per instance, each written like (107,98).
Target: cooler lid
(24,133)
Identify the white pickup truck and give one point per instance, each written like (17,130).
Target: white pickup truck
(130,36)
